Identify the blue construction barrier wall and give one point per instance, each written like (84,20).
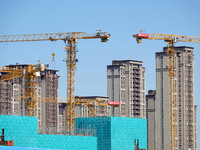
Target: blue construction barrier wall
(116,133)
(103,130)
(112,133)
(23,131)
(125,130)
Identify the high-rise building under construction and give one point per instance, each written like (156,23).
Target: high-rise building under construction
(126,84)
(47,86)
(186,131)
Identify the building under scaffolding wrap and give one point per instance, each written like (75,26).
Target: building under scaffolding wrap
(102,133)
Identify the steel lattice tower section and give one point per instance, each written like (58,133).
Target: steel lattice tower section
(30,95)
(71,66)
(171,83)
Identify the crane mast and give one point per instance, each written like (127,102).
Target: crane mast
(171,40)
(71,39)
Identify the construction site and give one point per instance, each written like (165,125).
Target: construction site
(32,114)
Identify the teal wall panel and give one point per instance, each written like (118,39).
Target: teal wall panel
(109,133)
(125,130)
(102,127)
(23,131)
(116,133)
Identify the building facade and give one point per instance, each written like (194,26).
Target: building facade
(46,86)
(10,90)
(49,111)
(126,84)
(151,117)
(184,99)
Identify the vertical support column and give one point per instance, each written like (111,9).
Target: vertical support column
(33,98)
(92,110)
(23,93)
(171,83)
(71,66)
(30,94)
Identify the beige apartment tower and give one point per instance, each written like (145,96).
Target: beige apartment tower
(186,127)
(126,84)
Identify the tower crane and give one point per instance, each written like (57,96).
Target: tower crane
(171,40)
(71,39)
(29,72)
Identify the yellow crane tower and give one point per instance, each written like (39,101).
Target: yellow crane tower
(29,72)
(171,40)
(71,39)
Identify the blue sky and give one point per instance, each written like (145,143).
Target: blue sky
(120,18)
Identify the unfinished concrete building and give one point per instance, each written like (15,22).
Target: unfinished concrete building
(184,99)
(47,86)
(126,84)
(7,102)
(49,111)
(151,119)
(9,92)
(6,98)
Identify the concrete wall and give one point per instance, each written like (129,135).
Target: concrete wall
(162,102)
(114,88)
(151,117)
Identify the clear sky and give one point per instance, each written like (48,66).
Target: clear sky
(119,18)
